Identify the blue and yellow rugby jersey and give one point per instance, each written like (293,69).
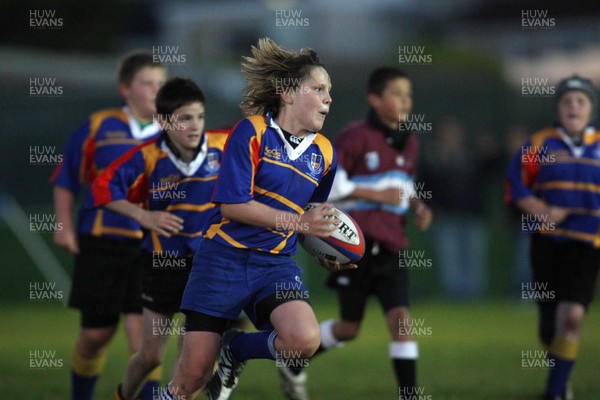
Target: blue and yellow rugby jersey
(105,136)
(553,169)
(152,175)
(258,164)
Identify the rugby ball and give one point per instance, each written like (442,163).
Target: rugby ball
(346,244)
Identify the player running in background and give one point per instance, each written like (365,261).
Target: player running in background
(174,177)
(554,181)
(275,162)
(377,162)
(107,273)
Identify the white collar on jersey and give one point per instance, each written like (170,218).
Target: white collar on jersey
(185,168)
(134,126)
(577,151)
(292,153)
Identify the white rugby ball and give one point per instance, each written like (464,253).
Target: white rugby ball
(345,245)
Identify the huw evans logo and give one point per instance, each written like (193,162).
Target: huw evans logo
(536,87)
(413,55)
(44,87)
(169,55)
(290,19)
(44,19)
(536,19)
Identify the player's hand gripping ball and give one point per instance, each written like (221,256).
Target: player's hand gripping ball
(345,245)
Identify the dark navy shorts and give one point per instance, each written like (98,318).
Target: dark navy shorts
(225,281)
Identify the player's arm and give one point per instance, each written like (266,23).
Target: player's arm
(66,237)
(115,189)
(318,221)
(348,151)
(521,175)
(532,205)
(384,196)
(162,222)
(344,188)
(67,179)
(423,213)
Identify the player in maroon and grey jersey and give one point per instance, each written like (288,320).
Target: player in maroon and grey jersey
(377,161)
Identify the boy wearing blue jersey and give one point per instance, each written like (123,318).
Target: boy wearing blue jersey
(554,181)
(275,162)
(174,177)
(107,273)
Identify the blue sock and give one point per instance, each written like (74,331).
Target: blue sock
(83,386)
(558,376)
(150,390)
(247,346)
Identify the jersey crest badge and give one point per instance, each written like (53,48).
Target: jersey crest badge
(212,162)
(372,160)
(315,164)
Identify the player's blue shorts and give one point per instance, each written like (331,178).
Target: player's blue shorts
(225,280)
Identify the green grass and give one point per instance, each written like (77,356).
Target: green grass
(471,352)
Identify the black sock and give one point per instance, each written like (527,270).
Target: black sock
(406,371)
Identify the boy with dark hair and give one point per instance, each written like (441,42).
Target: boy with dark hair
(107,274)
(173,176)
(377,160)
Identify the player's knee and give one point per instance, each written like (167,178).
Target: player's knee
(151,359)
(400,313)
(196,377)
(92,341)
(345,331)
(573,322)
(304,342)
(351,332)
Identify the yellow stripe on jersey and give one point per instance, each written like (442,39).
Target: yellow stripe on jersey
(259,122)
(107,142)
(588,140)
(152,154)
(292,168)
(89,145)
(156,245)
(231,240)
(280,199)
(566,185)
(540,137)
(574,160)
(214,228)
(190,207)
(191,235)
(587,237)
(217,138)
(99,229)
(199,179)
(282,244)
(326,149)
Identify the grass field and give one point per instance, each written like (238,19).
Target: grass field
(467,352)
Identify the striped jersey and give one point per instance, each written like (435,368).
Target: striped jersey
(152,175)
(367,161)
(260,165)
(551,167)
(104,137)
